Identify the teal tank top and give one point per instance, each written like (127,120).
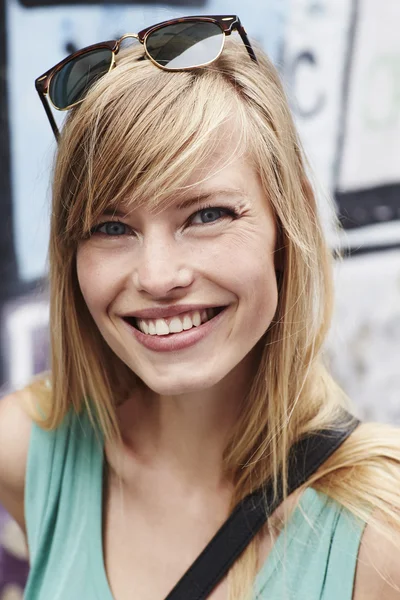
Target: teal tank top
(315,559)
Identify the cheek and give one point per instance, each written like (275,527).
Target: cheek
(253,280)
(261,292)
(97,281)
(249,267)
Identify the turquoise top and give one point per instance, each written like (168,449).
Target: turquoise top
(314,560)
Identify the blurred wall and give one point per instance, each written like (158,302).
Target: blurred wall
(340,61)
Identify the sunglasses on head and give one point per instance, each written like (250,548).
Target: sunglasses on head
(176,45)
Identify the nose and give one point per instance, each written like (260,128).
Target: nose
(163,266)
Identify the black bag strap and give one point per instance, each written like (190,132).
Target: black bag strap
(250,514)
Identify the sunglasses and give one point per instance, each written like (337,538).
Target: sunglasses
(175,45)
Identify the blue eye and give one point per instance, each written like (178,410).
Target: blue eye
(211,214)
(110,228)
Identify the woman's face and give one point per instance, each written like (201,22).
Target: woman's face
(216,252)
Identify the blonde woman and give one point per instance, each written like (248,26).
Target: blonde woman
(190,296)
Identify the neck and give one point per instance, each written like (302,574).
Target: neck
(185,435)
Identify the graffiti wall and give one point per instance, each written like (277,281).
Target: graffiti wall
(341,66)
(340,62)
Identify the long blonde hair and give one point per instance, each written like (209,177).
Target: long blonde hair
(141,131)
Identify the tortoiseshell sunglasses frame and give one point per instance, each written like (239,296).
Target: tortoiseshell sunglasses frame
(227,23)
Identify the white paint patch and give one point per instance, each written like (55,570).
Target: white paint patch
(364,342)
(372,149)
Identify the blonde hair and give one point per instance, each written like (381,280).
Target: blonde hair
(140,131)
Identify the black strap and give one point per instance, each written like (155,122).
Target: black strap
(250,514)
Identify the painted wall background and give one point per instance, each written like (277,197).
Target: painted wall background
(340,60)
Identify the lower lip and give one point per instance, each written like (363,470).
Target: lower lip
(176,341)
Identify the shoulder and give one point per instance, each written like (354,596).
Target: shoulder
(15,430)
(378,573)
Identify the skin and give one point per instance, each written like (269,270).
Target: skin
(194,394)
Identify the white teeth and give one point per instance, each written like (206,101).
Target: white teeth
(175,325)
(187,322)
(161,327)
(196,319)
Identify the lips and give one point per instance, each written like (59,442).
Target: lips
(164,312)
(133,320)
(174,342)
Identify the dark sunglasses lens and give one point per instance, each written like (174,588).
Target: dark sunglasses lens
(184,45)
(70,84)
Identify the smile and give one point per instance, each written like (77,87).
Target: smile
(176,324)
(165,340)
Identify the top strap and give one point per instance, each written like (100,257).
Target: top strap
(305,457)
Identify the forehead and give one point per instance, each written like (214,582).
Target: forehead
(217,177)
(222,165)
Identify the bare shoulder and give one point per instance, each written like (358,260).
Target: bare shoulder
(15,429)
(378,572)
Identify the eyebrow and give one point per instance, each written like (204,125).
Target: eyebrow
(207,195)
(110,212)
(186,203)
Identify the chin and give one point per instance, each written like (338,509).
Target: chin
(177,386)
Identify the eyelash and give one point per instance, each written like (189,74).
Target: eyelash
(230,212)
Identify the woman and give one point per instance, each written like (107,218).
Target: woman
(191,293)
